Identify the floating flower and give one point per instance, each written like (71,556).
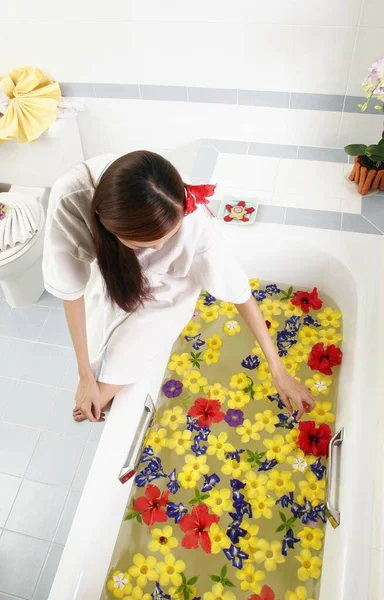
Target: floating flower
(312,489)
(254,283)
(318,384)
(231,328)
(206,411)
(266,594)
(285,500)
(314,440)
(266,420)
(158,593)
(311,538)
(240,381)
(307,300)
(215,342)
(299,464)
(238,399)
(235,455)
(234,417)
(162,540)
(322,413)
(172,484)
(291,438)
(308,335)
(195,527)
(196,464)
(248,542)
(256,484)
(191,329)
(234,468)
(143,569)
(180,363)
(318,469)
(209,313)
(261,507)
(329,318)
(299,353)
(218,593)
(290,310)
(290,365)
(280,482)
(270,307)
(219,501)
(310,566)
(169,570)
(172,388)
(300,593)
(248,431)
(119,584)
(277,449)
(263,390)
(194,381)
(218,537)
(218,445)
(323,358)
(250,362)
(236,556)
(216,392)
(289,542)
(268,554)
(228,309)
(211,357)
(264,371)
(157,439)
(173,418)
(151,505)
(250,578)
(272,326)
(329,336)
(267,465)
(176,511)
(210,481)
(180,442)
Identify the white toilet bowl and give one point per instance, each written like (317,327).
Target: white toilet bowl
(21,276)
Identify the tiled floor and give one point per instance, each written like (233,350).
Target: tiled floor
(44,456)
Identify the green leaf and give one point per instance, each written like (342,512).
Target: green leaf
(282,516)
(378,107)
(186,594)
(228,583)
(204,496)
(375,150)
(193,580)
(281,528)
(130,516)
(179,589)
(139,519)
(250,453)
(214,578)
(355,149)
(290,290)
(193,501)
(381,143)
(223,571)
(184,579)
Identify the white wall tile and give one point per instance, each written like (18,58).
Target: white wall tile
(317,182)
(372,14)
(69,12)
(350,199)
(369,45)
(246,171)
(313,127)
(359,128)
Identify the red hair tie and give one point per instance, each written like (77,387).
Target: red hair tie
(197,194)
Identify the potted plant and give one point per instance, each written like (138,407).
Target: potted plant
(368,169)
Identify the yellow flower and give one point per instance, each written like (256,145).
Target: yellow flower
(248,431)
(290,364)
(280,482)
(268,553)
(180,363)
(322,413)
(311,538)
(218,593)
(187,479)
(273,326)
(216,392)
(179,595)
(329,336)
(194,381)
(308,335)
(318,384)
(169,570)
(144,569)
(264,372)
(231,327)
(234,468)
(312,489)
(264,389)
(270,307)
(249,578)
(191,329)
(219,501)
(254,283)
(256,484)
(291,438)
(181,442)
(119,584)
(211,357)
(219,538)
(300,593)
(239,381)
(329,317)
(219,445)
(137,594)
(238,399)
(196,464)
(215,342)
(173,417)
(261,507)
(228,309)
(277,449)
(157,440)
(209,313)
(290,310)
(310,566)
(299,352)
(266,420)
(249,541)
(162,540)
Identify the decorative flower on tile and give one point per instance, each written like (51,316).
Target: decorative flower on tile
(307,300)
(238,212)
(195,526)
(324,358)
(151,506)
(314,440)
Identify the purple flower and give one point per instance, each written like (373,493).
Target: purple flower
(289,541)
(209,482)
(235,531)
(236,556)
(172,388)
(234,417)
(235,455)
(176,511)
(318,469)
(250,362)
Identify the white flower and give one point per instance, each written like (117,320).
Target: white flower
(232,325)
(321,386)
(120,581)
(299,464)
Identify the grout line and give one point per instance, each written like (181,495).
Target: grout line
(138,85)
(370,222)
(248,147)
(42,570)
(341,221)
(285,215)
(9,337)
(41,330)
(186,87)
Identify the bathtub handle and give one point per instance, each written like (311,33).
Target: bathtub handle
(332,513)
(131,463)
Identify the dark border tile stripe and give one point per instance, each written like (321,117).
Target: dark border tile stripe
(327,102)
(126,91)
(357,223)
(307,217)
(272,150)
(326,154)
(212,95)
(170,93)
(267,99)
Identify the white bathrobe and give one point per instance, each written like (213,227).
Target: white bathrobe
(123,345)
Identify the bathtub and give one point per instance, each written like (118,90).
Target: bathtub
(349,268)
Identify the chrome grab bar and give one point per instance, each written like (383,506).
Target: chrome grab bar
(332,513)
(131,463)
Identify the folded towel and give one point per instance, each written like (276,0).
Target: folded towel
(21,221)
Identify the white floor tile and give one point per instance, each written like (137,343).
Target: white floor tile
(307,201)
(25,323)
(71,377)
(313,179)
(55,330)
(67,517)
(16,448)
(46,365)
(97,431)
(9,486)
(7,387)
(85,465)
(60,418)
(254,172)
(5,310)
(15,355)
(48,574)
(50,301)
(30,404)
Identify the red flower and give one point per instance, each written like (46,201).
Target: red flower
(265,594)
(208,411)
(314,440)
(307,300)
(323,358)
(195,526)
(197,194)
(268,324)
(150,505)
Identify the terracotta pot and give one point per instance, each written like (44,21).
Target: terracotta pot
(366,179)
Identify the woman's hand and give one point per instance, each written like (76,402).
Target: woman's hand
(88,397)
(291,389)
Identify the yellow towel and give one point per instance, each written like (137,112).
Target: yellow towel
(33,104)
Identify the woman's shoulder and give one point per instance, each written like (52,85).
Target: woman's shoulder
(199,228)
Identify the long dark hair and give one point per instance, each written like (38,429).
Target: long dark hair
(140,198)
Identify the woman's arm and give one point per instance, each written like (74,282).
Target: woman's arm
(87,395)
(287,386)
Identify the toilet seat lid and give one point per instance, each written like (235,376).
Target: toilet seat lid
(21,247)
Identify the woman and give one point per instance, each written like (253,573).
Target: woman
(128,250)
